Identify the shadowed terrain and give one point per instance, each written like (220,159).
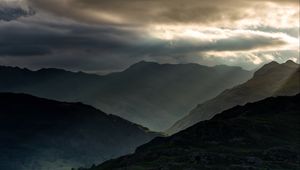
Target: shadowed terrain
(42,134)
(260,135)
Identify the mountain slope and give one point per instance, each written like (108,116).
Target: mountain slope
(261,135)
(153,95)
(273,79)
(41,134)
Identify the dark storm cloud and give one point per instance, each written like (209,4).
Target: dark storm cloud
(244,43)
(23,50)
(103,35)
(158,11)
(12,13)
(36,43)
(24,39)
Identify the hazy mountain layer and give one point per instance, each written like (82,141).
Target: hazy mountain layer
(153,95)
(41,134)
(273,79)
(261,135)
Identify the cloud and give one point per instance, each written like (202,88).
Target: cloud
(226,13)
(14,9)
(68,44)
(62,37)
(105,39)
(96,35)
(36,43)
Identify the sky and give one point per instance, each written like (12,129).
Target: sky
(103,36)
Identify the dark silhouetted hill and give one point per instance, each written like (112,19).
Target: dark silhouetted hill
(41,134)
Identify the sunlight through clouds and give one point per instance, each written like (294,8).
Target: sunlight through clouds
(246,33)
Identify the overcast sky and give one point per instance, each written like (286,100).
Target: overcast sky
(109,35)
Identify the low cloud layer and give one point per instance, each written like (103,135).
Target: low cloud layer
(104,36)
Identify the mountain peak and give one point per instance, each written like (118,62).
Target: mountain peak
(272,63)
(273,66)
(291,63)
(143,63)
(266,68)
(51,70)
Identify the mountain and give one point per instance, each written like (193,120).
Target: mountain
(261,135)
(42,134)
(151,94)
(273,79)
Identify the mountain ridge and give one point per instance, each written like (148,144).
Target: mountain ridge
(265,82)
(151,94)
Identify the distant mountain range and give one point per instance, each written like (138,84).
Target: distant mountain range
(41,134)
(151,94)
(272,79)
(261,135)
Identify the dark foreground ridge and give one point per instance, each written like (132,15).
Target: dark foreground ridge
(41,134)
(261,135)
